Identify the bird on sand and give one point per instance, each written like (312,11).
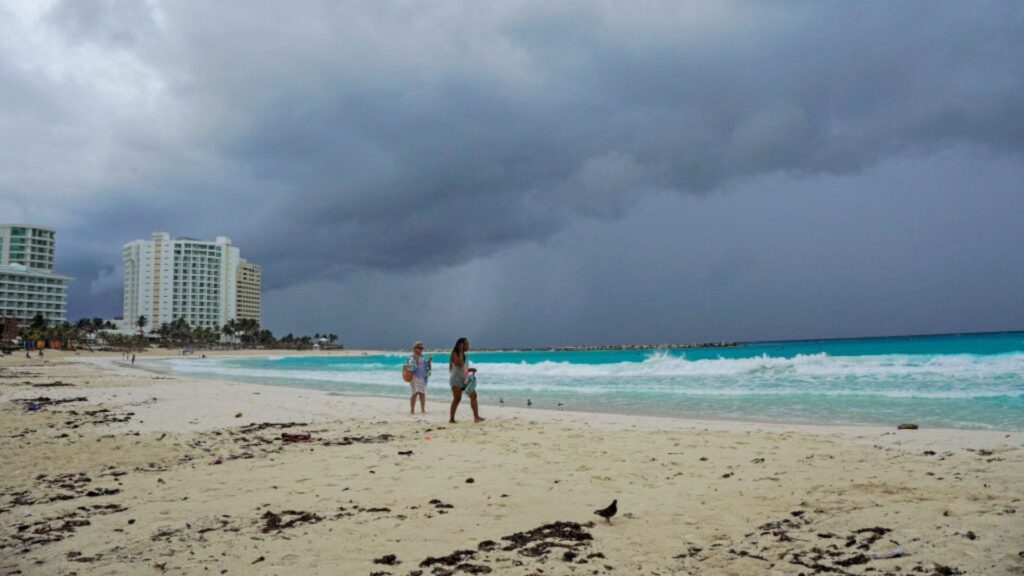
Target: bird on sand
(529,402)
(560,405)
(608,512)
(501,402)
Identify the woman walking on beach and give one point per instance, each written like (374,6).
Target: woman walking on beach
(416,372)
(462,379)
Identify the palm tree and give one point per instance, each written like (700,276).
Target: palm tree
(141,323)
(266,338)
(38,322)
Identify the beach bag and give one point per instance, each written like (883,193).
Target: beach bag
(406,373)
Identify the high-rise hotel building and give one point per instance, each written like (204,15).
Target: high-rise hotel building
(28,285)
(250,279)
(168,278)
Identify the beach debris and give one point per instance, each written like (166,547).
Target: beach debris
(452,559)
(608,512)
(569,539)
(216,461)
(691,552)
(897,552)
(44,401)
(54,384)
(60,487)
(238,414)
(439,505)
(907,426)
(387,560)
(405,452)
(98,416)
(349,440)
(470,480)
(250,428)
(54,529)
(818,551)
(539,541)
(287,519)
(296,437)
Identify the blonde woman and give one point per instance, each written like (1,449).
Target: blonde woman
(416,372)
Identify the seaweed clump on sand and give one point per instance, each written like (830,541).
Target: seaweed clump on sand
(541,540)
(287,519)
(571,539)
(817,551)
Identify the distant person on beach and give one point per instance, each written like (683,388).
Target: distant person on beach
(462,379)
(133,359)
(416,372)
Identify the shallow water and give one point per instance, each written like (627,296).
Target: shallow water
(962,381)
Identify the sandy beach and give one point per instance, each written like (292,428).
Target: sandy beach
(122,470)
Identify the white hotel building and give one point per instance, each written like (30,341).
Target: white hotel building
(169,278)
(28,285)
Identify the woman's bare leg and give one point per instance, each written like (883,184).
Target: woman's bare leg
(423,402)
(456,398)
(476,411)
(412,404)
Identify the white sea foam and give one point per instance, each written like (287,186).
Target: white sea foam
(821,364)
(961,376)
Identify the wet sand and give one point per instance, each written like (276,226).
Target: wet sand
(120,470)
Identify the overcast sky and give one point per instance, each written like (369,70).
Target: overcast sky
(536,172)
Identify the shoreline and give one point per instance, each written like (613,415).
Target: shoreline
(391,407)
(486,402)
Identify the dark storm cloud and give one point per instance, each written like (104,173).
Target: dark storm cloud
(331,139)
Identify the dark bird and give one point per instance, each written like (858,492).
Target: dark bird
(501,402)
(608,512)
(529,402)
(560,405)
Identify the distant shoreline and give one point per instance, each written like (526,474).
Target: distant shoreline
(590,348)
(731,344)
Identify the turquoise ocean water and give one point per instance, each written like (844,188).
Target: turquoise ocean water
(960,381)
